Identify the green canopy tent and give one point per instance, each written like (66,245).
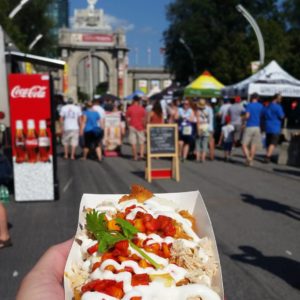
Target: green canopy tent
(205,86)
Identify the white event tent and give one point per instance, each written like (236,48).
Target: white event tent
(268,81)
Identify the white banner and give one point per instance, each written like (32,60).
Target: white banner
(271,89)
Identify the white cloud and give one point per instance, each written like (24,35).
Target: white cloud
(115,23)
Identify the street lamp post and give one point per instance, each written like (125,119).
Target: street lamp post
(191,54)
(17,8)
(35,41)
(257,31)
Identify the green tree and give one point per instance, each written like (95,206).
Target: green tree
(291,11)
(220,38)
(27,24)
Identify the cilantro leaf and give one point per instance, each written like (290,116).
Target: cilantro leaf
(108,240)
(128,229)
(95,222)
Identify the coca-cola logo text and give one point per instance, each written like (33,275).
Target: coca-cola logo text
(35,91)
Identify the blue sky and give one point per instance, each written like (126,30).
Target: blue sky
(145,21)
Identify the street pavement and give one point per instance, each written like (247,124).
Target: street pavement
(255,213)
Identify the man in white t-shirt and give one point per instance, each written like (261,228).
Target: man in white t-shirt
(100,110)
(70,118)
(224,110)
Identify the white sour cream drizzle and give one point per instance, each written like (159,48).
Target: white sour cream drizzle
(155,290)
(177,273)
(96,296)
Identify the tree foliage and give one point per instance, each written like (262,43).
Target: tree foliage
(223,42)
(31,21)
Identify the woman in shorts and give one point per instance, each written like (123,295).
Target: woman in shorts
(92,132)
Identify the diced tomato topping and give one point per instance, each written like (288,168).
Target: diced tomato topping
(140,279)
(163,221)
(166,250)
(138,242)
(97,285)
(110,268)
(96,265)
(154,248)
(139,225)
(135,257)
(152,225)
(112,225)
(106,286)
(107,255)
(144,264)
(139,215)
(136,298)
(122,245)
(93,249)
(120,215)
(147,218)
(169,230)
(114,291)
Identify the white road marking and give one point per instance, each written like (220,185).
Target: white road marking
(67,185)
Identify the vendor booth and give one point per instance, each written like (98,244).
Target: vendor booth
(205,85)
(268,81)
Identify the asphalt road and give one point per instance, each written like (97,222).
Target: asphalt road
(255,214)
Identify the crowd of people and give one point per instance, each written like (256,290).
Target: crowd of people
(203,124)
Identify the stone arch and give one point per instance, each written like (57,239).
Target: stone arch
(106,57)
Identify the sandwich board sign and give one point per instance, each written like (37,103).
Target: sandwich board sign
(162,142)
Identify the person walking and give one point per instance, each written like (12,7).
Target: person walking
(173,114)
(136,119)
(272,116)
(70,118)
(227,138)
(186,119)
(235,112)
(223,112)
(202,137)
(252,133)
(91,130)
(155,116)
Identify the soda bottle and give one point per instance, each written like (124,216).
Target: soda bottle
(44,142)
(20,143)
(4,194)
(31,142)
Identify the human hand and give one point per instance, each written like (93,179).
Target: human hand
(44,281)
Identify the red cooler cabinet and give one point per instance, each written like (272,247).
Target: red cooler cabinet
(33,135)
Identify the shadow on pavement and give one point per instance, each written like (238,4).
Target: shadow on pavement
(290,172)
(285,268)
(140,174)
(271,205)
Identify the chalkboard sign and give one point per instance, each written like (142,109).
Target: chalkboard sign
(162,140)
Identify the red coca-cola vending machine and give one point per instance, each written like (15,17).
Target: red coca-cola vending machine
(33,135)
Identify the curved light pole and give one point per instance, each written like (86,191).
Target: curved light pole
(17,8)
(257,31)
(35,41)
(191,54)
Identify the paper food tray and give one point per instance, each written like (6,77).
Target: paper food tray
(191,201)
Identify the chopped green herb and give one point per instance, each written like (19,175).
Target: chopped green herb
(97,225)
